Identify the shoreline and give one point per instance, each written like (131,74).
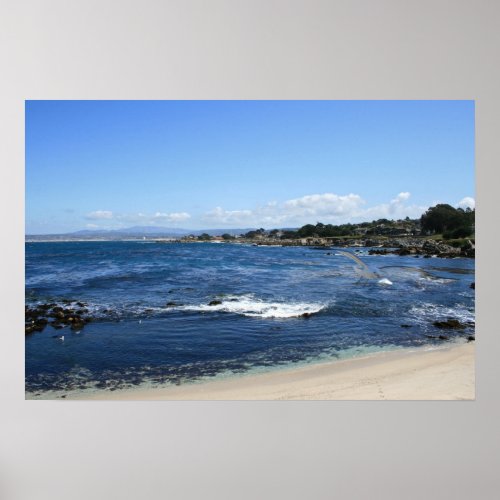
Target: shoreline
(443,373)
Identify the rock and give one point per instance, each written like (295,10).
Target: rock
(29,329)
(215,302)
(378,251)
(473,285)
(170,304)
(452,324)
(405,326)
(443,337)
(81,304)
(471,338)
(40,324)
(306,315)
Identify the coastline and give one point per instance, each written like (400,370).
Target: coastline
(443,373)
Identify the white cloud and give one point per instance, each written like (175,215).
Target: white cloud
(328,204)
(172,217)
(402,197)
(327,208)
(467,202)
(99,214)
(138,218)
(220,216)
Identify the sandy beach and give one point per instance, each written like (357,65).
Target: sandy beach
(444,373)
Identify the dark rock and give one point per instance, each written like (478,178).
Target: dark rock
(473,285)
(452,324)
(81,304)
(471,338)
(378,252)
(215,302)
(40,324)
(306,315)
(443,337)
(170,304)
(405,326)
(427,256)
(29,329)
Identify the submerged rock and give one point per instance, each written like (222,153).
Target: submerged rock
(452,324)
(215,302)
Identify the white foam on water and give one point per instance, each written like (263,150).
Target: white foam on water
(248,305)
(384,281)
(430,312)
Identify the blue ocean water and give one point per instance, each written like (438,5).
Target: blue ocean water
(263,292)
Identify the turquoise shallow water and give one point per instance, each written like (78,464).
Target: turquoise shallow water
(258,324)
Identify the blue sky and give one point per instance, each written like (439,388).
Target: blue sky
(222,164)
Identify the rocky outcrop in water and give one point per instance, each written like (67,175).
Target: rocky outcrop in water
(451,324)
(38,317)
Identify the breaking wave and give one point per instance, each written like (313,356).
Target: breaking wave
(248,305)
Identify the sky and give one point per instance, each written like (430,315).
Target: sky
(242,164)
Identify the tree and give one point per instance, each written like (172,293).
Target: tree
(444,218)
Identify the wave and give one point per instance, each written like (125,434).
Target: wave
(248,305)
(429,312)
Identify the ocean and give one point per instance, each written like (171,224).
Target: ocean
(272,307)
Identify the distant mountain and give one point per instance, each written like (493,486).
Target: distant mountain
(133,232)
